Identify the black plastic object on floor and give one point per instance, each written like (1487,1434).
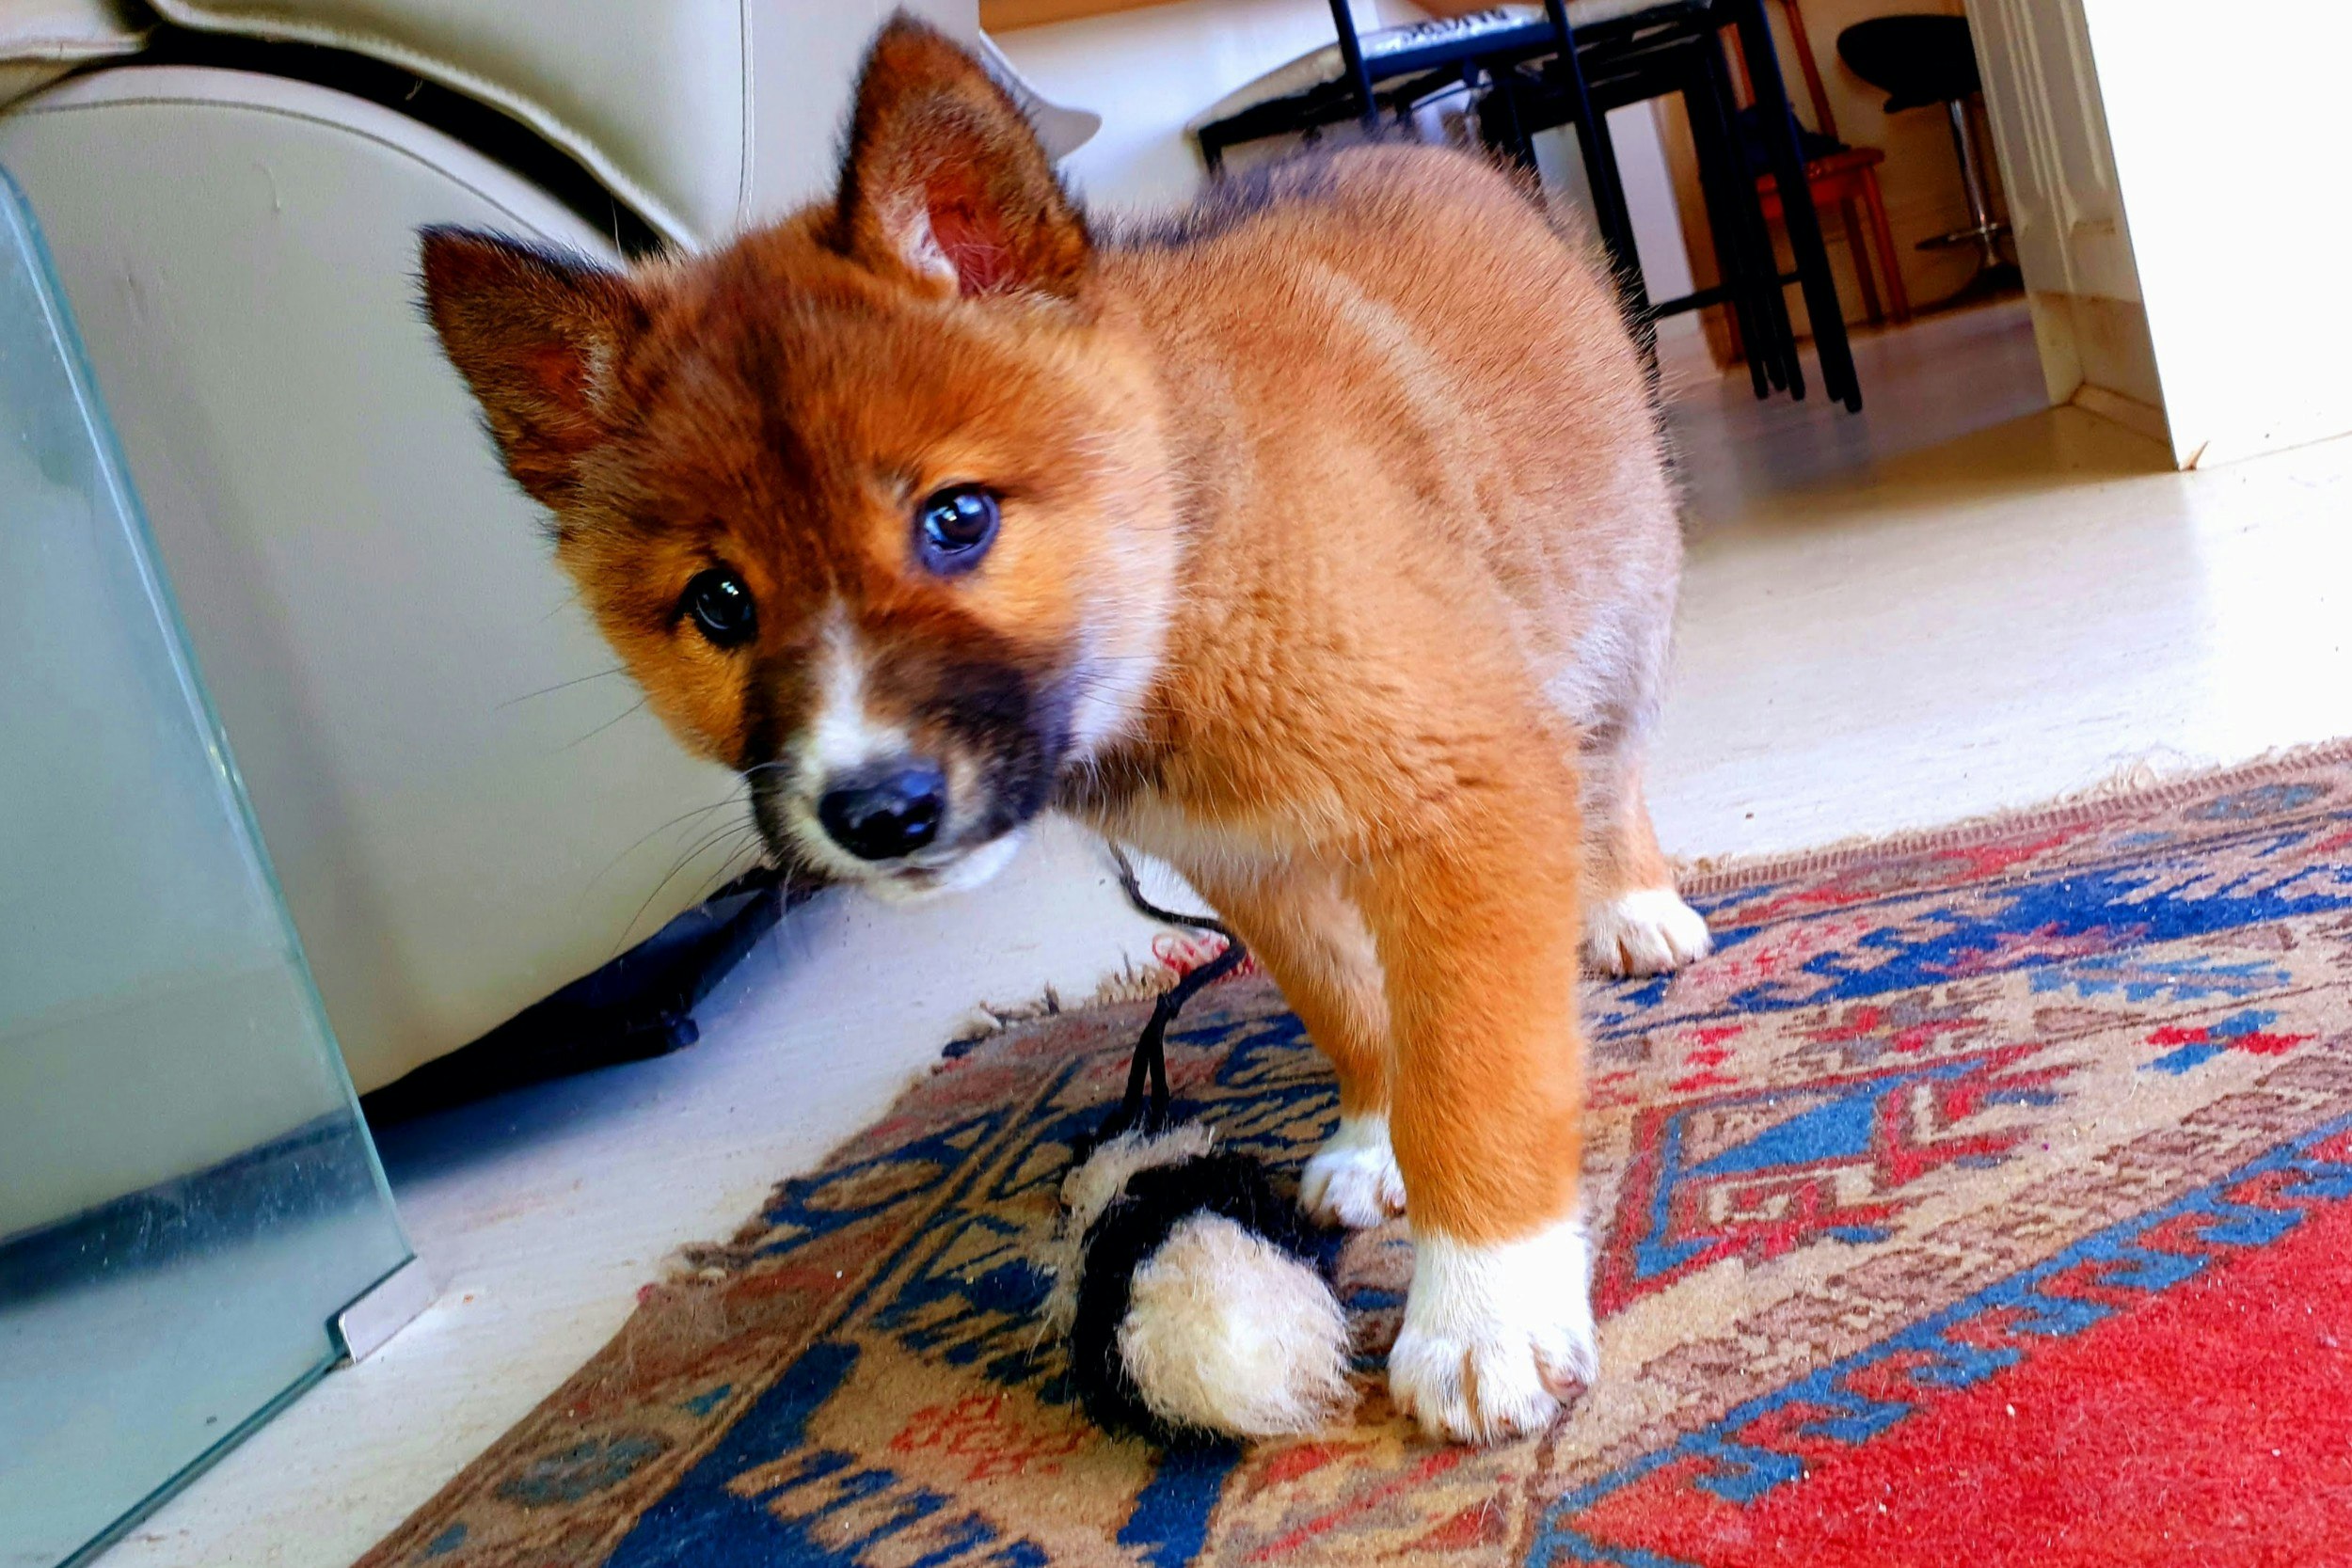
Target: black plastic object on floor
(640,1005)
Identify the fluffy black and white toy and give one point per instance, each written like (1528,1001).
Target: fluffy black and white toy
(1182,1281)
(1191,1307)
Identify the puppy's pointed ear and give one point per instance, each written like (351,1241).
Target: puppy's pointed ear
(945,182)
(536,335)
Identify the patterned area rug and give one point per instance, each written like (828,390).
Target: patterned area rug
(1986,1199)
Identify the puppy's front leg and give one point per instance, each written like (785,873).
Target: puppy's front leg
(1298,922)
(1476,924)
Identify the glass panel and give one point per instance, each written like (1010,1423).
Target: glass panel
(187,1195)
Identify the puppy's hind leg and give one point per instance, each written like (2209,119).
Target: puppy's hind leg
(1635,923)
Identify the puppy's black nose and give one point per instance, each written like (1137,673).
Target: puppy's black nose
(882,816)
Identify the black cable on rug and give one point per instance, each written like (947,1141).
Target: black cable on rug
(1145,1106)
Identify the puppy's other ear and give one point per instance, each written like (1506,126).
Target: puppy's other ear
(945,181)
(536,335)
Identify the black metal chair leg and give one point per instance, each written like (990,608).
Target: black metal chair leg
(1503,123)
(1754,334)
(1623,253)
(1351,56)
(1796,204)
(1600,164)
(1719,169)
(1752,237)
(1790,369)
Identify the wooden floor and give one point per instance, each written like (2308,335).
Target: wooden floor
(1965,601)
(1956,602)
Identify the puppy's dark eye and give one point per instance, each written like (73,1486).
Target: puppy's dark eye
(954,527)
(721,608)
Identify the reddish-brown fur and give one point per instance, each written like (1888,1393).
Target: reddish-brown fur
(1343,499)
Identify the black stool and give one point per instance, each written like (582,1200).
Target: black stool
(1920,60)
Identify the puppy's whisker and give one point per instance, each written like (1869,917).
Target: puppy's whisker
(682,817)
(708,841)
(592,735)
(737,862)
(559,686)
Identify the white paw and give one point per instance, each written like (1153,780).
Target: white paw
(1647,931)
(1353,1179)
(1495,1338)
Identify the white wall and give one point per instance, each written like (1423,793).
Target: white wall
(2227,134)
(2181,230)
(1149,71)
(2066,210)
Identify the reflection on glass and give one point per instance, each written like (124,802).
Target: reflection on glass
(187,1195)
